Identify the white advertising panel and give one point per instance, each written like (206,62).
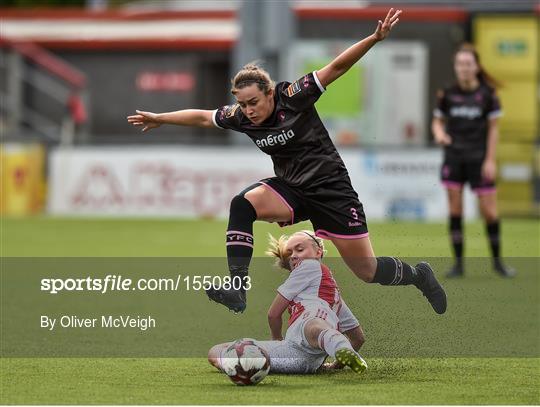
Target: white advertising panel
(200,182)
(142,181)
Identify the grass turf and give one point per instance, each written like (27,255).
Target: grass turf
(59,237)
(191,381)
(410,380)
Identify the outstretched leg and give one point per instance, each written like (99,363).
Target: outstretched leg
(214,354)
(320,335)
(359,256)
(254,203)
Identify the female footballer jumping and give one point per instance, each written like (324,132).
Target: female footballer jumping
(311,180)
(320,323)
(465,123)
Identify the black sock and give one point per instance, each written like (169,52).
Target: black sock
(240,236)
(392,271)
(493,232)
(456,236)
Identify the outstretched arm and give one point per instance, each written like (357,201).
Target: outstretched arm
(351,55)
(356,338)
(188,117)
(214,352)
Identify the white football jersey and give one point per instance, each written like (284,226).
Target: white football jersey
(310,285)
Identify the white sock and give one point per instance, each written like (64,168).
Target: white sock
(331,340)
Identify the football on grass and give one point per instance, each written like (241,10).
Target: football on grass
(245,362)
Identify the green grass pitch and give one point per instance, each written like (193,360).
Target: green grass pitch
(510,377)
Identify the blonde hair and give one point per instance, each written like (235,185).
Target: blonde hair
(276,247)
(252,73)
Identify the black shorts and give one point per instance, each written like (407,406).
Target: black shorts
(333,209)
(456,172)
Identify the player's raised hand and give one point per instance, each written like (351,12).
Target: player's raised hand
(147,119)
(384,27)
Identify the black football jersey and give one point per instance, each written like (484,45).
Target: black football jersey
(466,115)
(294,136)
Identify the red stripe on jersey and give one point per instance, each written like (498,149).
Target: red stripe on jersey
(295,310)
(328,286)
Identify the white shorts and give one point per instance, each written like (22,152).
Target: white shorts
(294,354)
(347,320)
(295,333)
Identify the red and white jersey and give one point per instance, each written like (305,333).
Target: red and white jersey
(310,285)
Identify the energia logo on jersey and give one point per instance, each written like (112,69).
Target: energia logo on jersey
(468,112)
(275,139)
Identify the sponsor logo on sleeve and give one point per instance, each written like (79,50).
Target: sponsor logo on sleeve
(293,89)
(230,110)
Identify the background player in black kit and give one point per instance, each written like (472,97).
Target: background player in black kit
(311,180)
(465,123)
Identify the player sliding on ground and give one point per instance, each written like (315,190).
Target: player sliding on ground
(320,324)
(311,180)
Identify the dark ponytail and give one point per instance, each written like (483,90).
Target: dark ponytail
(483,76)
